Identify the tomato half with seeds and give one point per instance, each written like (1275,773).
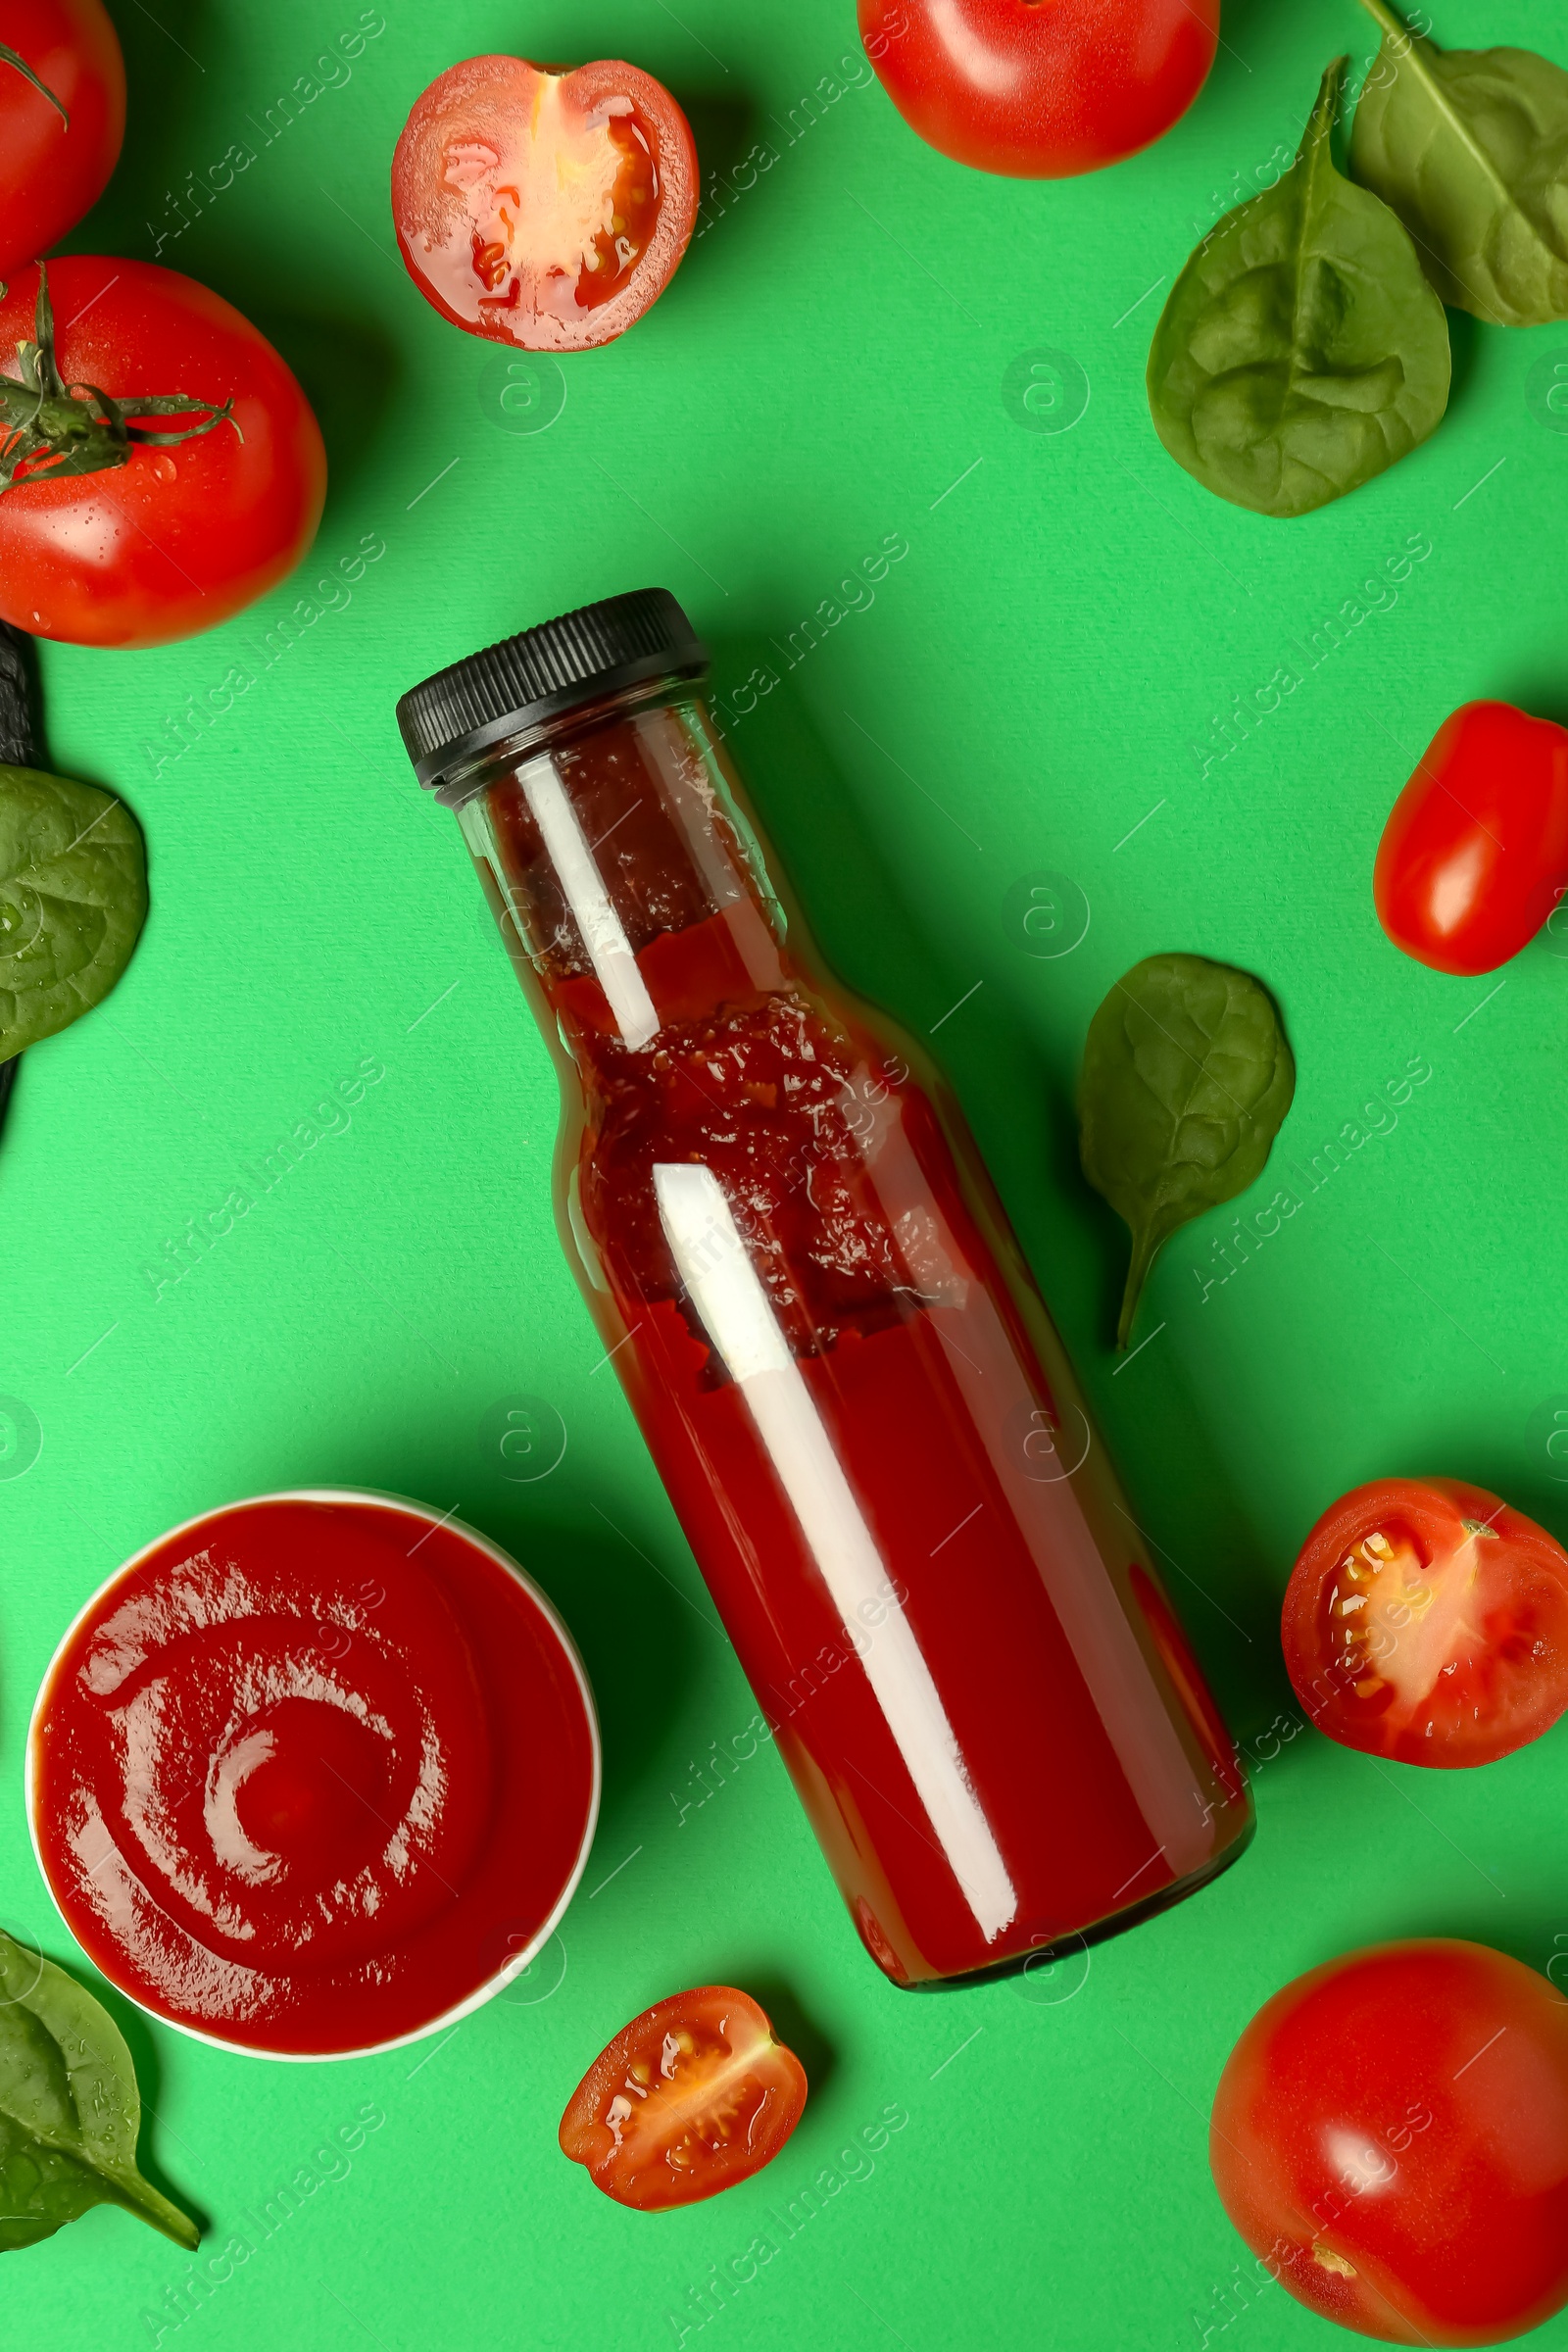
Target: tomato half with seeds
(689,2098)
(1390,2135)
(545,210)
(61,119)
(1428,1622)
(1040,89)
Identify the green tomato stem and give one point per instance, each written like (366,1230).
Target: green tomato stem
(50,429)
(8,57)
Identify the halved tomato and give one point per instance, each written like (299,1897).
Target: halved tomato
(548,209)
(1428,1622)
(689,2098)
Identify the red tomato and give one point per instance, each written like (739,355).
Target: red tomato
(1428,1622)
(1041,88)
(689,2098)
(1474,857)
(1391,2137)
(544,209)
(173,540)
(56,150)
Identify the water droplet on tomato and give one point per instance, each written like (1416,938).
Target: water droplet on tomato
(164,467)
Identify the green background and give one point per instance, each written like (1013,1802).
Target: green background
(1025,690)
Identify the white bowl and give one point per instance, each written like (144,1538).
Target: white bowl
(514,1966)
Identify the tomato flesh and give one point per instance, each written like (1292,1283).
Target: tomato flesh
(1041,90)
(174,540)
(1475,853)
(689,2098)
(541,209)
(1428,1622)
(53,167)
(1390,2135)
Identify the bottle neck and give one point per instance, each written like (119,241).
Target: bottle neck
(616,853)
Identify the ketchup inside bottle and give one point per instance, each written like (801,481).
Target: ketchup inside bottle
(848,1383)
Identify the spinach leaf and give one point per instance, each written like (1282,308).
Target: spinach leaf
(1302,351)
(70,2110)
(72,899)
(1470,147)
(1186,1077)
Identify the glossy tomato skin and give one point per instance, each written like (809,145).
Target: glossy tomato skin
(52,171)
(175,540)
(1426,1621)
(688,2099)
(1390,2135)
(541,209)
(1041,90)
(1475,853)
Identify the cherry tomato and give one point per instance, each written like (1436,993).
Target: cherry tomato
(1391,2137)
(689,2098)
(1475,853)
(59,143)
(1428,1622)
(548,209)
(174,539)
(1041,90)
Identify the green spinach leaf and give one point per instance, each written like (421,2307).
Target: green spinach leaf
(1302,351)
(1186,1079)
(72,899)
(70,2110)
(1470,147)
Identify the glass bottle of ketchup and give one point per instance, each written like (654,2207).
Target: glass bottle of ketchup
(860,1408)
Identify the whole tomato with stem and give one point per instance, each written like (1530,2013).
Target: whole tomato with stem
(1427,1622)
(160,467)
(1041,90)
(1475,853)
(61,119)
(1390,2135)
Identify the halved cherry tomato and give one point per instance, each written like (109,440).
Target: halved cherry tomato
(689,2098)
(548,209)
(1390,2135)
(1475,853)
(1428,1622)
(1041,90)
(61,119)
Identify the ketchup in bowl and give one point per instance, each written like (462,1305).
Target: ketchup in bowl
(313,1773)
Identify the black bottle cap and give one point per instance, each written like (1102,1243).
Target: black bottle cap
(540,674)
